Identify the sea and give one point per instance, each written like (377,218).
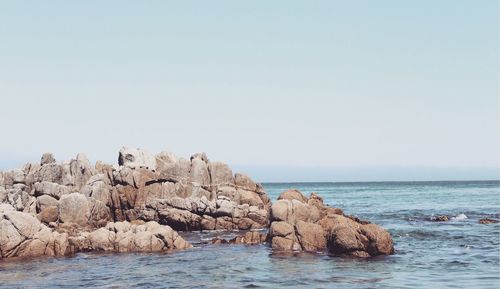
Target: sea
(460,253)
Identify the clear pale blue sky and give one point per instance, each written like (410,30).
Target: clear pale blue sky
(282,90)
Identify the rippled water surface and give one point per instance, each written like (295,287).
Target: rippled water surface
(454,254)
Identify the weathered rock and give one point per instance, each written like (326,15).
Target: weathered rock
(130,237)
(293,210)
(187,194)
(24,236)
(74,208)
(199,172)
(136,158)
(249,238)
(171,167)
(282,237)
(100,214)
(18,197)
(98,187)
(52,173)
(44,201)
(488,221)
(51,189)
(4,207)
(47,158)
(348,237)
(440,218)
(292,195)
(306,224)
(3,194)
(310,236)
(221,174)
(80,171)
(245,183)
(47,208)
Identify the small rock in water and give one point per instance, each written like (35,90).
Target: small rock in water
(440,218)
(488,221)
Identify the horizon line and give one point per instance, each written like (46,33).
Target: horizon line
(393,181)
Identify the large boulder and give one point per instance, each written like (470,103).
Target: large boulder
(22,235)
(74,208)
(306,224)
(348,237)
(47,208)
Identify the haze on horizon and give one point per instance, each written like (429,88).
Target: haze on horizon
(281,90)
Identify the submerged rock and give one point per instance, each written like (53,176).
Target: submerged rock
(249,238)
(440,218)
(488,221)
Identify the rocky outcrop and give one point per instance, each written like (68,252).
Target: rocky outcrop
(187,194)
(129,237)
(183,194)
(22,235)
(52,208)
(306,224)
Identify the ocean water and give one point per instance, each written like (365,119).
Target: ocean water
(457,254)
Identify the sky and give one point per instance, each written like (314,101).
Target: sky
(280,90)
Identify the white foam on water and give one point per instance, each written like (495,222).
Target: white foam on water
(459,217)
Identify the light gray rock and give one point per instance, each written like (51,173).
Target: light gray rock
(24,236)
(18,197)
(3,195)
(4,207)
(245,183)
(293,210)
(293,195)
(98,187)
(171,167)
(133,237)
(135,158)
(221,174)
(52,189)
(74,208)
(44,201)
(47,158)
(52,173)
(80,170)
(199,172)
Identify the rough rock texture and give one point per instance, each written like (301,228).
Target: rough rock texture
(22,235)
(51,208)
(488,221)
(306,224)
(129,237)
(184,194)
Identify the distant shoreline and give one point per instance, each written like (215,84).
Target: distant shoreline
(384,182)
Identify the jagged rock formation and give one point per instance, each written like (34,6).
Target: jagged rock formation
(185,194)
(129,237)
(23,235)
(306,224)
(58,209)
